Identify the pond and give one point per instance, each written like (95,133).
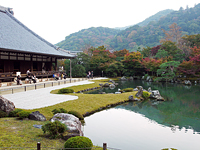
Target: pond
(150,125)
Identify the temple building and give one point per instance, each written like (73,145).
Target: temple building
(22,49)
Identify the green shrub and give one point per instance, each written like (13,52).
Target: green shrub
(79,142)
(77,114)
(60,110)
(14,113)
(145,76)
(128,90)
(65,90)
(146,94)
(23,114)
(55,129)
(2,114)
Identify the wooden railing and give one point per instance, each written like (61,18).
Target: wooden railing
(6,76)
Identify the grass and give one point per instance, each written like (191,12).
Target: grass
(21,133)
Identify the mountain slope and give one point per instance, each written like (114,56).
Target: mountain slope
(146,33)
(92,36)
(155,17)
(150,35)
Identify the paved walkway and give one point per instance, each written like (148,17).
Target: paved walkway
(42,97)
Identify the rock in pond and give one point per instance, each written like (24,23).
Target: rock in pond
(155,94)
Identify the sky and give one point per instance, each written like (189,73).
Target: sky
(53,20)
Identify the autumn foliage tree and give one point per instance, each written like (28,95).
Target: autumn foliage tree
(101,59)
(132,63)
(151,64)
(173,35)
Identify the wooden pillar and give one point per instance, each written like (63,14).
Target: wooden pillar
(55,64)
(51,65)
(31,63)
(70,70)
(38,146)
(104,146)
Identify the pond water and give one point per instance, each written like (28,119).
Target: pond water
(150,125)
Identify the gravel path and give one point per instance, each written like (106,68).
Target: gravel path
(42,97)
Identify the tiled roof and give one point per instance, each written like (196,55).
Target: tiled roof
(16,36)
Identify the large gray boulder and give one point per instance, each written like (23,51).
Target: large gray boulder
(6,105)
(72,122)
(111,86)
(187,82)
(140,91)
(36,115)
(131,98)
(156,95)
(149,79)
(123,78)
(106,85)
(131,78)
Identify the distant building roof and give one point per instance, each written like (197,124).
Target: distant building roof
(15,36)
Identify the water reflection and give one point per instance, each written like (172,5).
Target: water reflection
(151,124)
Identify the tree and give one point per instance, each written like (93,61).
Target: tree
(78,71)
(167,70)
(155,49)
(146,52)
(188,68)
(173,35)
(132,63)
(192,40)
(84,60)
(170,47)
(151,64)
(161,54)
(121,53)
(101,58)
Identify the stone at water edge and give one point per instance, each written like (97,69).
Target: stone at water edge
(156,95)
(140,91)
(106,85)
(6,105)
(133,99)
(149,89)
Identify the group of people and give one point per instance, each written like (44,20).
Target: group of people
(30,76)
(90,74)
(56,76)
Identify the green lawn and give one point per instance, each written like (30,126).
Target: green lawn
(21,133)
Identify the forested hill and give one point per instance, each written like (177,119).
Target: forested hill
(135,36)
(150,35)
(155,17)
(100,35)
(92,36)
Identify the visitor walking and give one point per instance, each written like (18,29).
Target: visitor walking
(92,74)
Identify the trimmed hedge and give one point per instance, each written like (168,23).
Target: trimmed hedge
(14,113)
(128,90)
(65,90)
(61,110)
(2,114)
(55,129)
(77,114)
(146,94)
(23,114)
(79,142)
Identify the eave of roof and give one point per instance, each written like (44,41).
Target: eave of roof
(15,36)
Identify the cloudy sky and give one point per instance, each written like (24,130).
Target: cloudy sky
(55,19)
